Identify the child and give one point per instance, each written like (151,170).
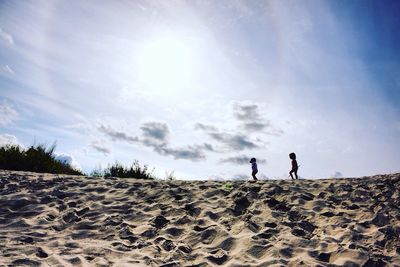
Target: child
(254,168)
(295,167)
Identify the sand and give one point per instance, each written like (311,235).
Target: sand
(61,220)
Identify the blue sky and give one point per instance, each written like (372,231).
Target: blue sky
(199,87)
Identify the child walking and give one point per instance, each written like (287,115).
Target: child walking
(295,167)
(254,168)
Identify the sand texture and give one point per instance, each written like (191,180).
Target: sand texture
(61,220)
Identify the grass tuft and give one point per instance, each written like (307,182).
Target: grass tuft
(135,171)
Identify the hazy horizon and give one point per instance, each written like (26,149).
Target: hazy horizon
(200,87)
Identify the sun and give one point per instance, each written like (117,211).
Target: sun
(165,64)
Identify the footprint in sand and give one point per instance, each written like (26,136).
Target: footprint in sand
(294,216)
(298,232)
(41,253)
(270,224)
(75,261)
(18,204)
(267,234)
(227,244)
(307,226)
(149,233)
(241,204)
(172,264)
(113,221)
(321,256)
(125,233)
(252,226)
(185,249)
(174,231)
(286,252)
(71,217)
(159,222)
(122,247)
(218,257)
(328,214)
(208,236)
(307,196)
(213,216)
(258,251)
(277,205)
(86,225)
(26,239)
(82,211)
(25,262)
(168,245)
(380,219)
(72,204)
(183,220)
(192,210)
(178,197)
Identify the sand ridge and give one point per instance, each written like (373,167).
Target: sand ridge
(63,220)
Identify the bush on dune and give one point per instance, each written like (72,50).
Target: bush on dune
(118,170)
(37,158)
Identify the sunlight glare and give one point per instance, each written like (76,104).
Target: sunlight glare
(165,65)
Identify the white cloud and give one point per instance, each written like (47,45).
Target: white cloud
(68,159)
(241,160)
(155,135)
(100,146)
(6,139)
(7,114)
(7,70)
(155,132)
(6,36)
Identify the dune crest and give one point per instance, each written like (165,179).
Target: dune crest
(64,220)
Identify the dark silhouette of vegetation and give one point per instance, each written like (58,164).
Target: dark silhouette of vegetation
(118,170)
(37,158)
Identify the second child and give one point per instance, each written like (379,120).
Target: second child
(254,168)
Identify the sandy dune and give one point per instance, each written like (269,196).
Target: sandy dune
(59,220)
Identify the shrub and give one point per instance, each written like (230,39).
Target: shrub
(97,172)
(37,158)
(118,170)
(169,176)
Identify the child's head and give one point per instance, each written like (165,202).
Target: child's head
(253,160)
(292,155)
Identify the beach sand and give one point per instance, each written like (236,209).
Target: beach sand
(62,220)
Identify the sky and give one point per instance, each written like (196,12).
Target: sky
(199,87)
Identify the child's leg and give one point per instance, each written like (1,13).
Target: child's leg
(254,175)
(291,174)
(295,174)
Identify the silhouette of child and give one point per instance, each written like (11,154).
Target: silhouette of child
(254,168)
(295,167)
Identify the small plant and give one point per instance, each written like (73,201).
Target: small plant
(228,186)
(97,172)
(169,176)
